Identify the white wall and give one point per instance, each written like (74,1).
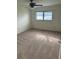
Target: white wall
(54,25)
(23,19)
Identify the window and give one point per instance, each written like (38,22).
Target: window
(44,15)
(39,15)
(47,15)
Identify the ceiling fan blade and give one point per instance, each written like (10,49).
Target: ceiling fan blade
(38,5)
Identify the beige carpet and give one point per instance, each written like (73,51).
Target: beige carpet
(37,44)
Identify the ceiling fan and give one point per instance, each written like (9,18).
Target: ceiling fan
(32,4)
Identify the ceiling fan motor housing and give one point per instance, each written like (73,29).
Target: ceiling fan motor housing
(32,4)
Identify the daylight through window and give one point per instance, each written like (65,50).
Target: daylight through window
(44,15)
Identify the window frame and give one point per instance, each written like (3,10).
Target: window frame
(43,16)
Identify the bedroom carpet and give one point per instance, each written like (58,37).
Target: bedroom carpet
(38,44)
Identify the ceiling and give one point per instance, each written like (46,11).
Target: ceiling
(43,2)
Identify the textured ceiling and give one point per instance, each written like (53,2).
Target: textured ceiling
(43,2)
